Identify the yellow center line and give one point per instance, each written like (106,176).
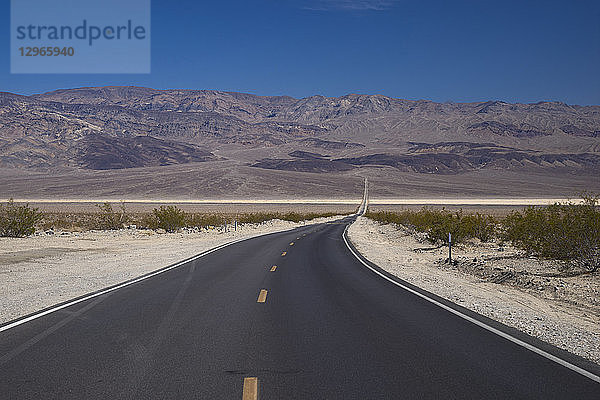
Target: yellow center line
(291,244)
(284,253)
(250,391)
(262,296)
(273,268)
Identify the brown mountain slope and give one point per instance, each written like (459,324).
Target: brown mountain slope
(352,135)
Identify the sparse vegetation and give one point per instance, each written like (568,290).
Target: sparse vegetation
(436,224)
(563,231)
(110,219)
(169,218)
(206,220)
(69,221)
(480,226)
(18,220)
(256,218)
(567,231)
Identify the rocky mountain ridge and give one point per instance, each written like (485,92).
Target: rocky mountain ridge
(129,127)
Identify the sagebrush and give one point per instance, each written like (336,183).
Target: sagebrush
(110,219)
(562,231)
(18,220)
(437,224)
(169,218)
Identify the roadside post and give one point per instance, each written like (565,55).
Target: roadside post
(449,248)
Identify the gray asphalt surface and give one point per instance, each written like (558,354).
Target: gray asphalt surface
(330,328)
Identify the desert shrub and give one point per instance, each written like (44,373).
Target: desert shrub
(68,222)
(145,221)
(444,224)
(110,219)
(522,229)
(56,221)
(480,226)
(256,218)
(83,221)
(18,220)
(259,217)
(204,220)
(436,224)
(169,218)
(297,217)
(562,231)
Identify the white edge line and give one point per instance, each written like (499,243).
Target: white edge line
(122,285)
(498,332)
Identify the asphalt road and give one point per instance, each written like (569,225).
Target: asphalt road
(327,328)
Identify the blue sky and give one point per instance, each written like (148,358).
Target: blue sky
(517,51)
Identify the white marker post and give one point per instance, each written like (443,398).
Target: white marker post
(449,248)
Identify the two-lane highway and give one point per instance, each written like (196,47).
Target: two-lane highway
(290,315)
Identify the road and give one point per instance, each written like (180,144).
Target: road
(290,315)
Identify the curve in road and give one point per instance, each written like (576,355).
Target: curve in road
(327,328)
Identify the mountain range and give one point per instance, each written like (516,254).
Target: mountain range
(135,131)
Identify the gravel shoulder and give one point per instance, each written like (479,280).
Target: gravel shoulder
(498,282)
(46,269)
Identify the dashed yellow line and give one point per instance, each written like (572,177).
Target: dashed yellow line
(283,254)
(273,268)
(262,296)
(250,390)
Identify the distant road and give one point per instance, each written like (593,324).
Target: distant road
(290,315)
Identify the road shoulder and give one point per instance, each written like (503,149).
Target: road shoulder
(563,325)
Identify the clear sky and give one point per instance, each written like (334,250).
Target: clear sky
(516,51)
